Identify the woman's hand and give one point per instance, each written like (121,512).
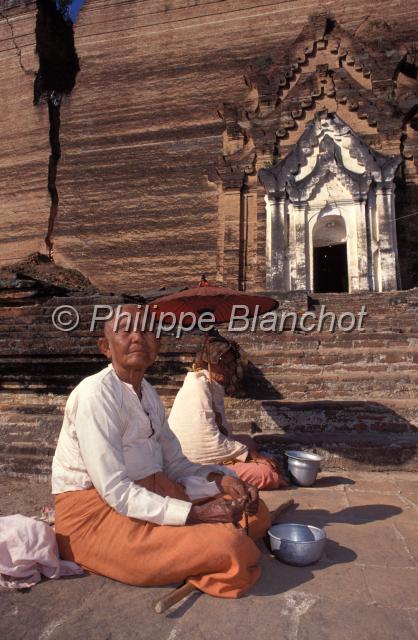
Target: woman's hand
(238,490)
(219,510)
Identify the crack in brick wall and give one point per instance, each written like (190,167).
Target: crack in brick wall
(58,67)
(15,44)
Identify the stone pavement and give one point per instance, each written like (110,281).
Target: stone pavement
(365,587)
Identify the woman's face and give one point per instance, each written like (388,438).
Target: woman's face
(127,345)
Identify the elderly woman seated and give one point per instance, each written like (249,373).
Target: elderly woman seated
(129,505)
(199,422)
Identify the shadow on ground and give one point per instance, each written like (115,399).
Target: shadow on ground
(279,578)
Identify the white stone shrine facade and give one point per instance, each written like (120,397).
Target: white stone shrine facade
(330,213)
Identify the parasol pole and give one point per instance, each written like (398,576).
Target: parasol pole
(210,375)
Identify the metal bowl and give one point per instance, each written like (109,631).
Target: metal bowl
(303,467)
(298,544)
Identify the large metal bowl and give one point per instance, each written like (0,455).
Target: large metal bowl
(298,544)
(303,467)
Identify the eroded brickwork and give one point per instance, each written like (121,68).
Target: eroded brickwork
(141,131)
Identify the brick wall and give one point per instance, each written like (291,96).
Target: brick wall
(141,129)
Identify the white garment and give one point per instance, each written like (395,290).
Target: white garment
(28,548)
(192,419)
(109,439)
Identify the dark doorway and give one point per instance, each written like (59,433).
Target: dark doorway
(330,268)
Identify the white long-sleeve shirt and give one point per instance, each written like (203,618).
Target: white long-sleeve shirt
(107,441)
(193,420)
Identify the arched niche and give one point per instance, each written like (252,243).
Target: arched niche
(329,229)
(329,264)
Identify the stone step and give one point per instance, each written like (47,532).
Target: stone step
(85,354)
(396,416)
(317,390)
(261,342)
(389,297)
(42,311)
(388,359)
(22,326)
(271,366)
(368,311)
(87,364)
(308,348)
(34,404)
(25,464)
(280,382)
(274,374)
(84,346)
(12,418)
(347,384)
(271,370)
(376,305)
(334,350)
(372,451)
(31,402)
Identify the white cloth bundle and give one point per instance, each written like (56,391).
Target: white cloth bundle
(28,550)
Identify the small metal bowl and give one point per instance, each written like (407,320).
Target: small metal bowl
(303,467)
(297,544)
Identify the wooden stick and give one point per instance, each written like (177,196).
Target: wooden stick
(173,597)
(181,592)
(280,509)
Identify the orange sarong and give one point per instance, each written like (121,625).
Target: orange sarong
(218,559)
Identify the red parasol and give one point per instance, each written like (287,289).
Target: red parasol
(218,300)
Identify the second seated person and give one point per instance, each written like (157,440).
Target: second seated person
(198,417)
